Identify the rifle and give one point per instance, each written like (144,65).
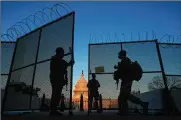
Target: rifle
(116,78)
(117,82)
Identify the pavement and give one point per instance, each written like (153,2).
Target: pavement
(105,115)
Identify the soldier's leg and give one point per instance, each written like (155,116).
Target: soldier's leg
(122,101)
(125,103)
(137,100)
(53,99)
(90,101)
(134,99)
(58,95)
(62,104)
(125,106)
(119,103)
(122,104)
(125,91)
(96,101)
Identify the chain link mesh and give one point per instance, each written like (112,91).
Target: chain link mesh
(149,88)
(7,49)
(171,57)
(26,50)
(58,34)
(145,53)
(21,92)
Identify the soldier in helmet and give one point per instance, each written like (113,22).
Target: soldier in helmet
(124,73)
(58,71)
(93,86)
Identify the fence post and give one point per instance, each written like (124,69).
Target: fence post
(88,77)
(34,70)
(71,78)
(161,65)
(168,102)
(100,103)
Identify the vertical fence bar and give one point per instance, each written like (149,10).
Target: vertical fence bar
(34,71)
(71,78)
(9,78)
(167,101)
(121,46)
(161,65)
(88,74)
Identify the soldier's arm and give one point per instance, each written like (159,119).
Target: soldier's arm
(71,63)
(65,64)
(51,64)
(98,83)
(89,84)
(115,67)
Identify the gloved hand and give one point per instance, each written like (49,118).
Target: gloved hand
(72,62)
(66,82)
(115,67)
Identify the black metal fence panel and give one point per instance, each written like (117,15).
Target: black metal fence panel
(171,57)
(26,50)
(29,75)
(7,48)
(103,57)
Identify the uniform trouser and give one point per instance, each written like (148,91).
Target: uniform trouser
(56,95)
(126,95)
(94,95)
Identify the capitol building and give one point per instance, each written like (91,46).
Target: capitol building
(81,88)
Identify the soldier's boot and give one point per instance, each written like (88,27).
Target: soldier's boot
(145,107)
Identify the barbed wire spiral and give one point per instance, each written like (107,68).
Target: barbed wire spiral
(166,41)
(47,15)
(32,22)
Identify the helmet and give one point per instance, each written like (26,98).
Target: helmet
(59,50)
(93,75)
(122,53)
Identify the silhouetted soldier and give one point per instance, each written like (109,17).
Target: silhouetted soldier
(93,86)
(43,107)
(125,73)
(58,73)
(81,103)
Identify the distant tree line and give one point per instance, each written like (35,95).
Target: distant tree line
(157,83)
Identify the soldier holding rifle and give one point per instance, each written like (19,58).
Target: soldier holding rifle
(128,71)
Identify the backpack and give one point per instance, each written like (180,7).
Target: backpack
(137,71)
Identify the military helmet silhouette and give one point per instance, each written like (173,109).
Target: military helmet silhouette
(122,53)
(59,50)
(93,75)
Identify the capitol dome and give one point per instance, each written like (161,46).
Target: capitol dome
(81,88)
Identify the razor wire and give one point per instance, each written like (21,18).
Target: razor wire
(32,22)
(167,39)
